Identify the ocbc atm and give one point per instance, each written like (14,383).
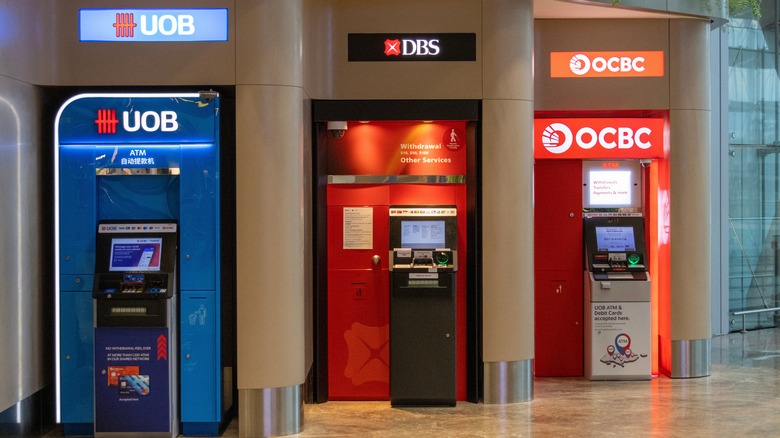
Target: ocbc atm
(424,260)
(617,298)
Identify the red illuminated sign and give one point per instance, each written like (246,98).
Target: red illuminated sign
(125,25)
(606,64)
(599,138)
(399,148)
(106,121)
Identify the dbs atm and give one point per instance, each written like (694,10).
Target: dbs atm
(138,292)
(424,261)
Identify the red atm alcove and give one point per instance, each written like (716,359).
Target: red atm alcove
(358,287)
(561,144)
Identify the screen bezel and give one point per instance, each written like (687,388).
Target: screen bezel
(422,244)
(168,247)
(636,222)
(601,233)
(635,182)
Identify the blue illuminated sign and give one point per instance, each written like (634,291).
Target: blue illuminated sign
(182,119)
(153,25)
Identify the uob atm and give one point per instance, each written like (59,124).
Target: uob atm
(138,265)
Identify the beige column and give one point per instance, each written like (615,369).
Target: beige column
(691,192)
(270,225)
(507,201)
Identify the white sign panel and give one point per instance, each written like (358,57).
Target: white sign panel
(358,228)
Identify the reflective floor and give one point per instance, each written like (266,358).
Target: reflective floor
(740,398)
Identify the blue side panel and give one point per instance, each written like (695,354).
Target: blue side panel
(200,369)
(77,210)
(138,197)
(200,429)
(76,357)
(199,212)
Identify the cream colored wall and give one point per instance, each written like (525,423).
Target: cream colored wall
(47,30)
(599,93)
(330,76)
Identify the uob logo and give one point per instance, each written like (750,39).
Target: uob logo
(132,121)
(408,47)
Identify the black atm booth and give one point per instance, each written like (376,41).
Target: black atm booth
(135,304)
(617,299)
(424,260)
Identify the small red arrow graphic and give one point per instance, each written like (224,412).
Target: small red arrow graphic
(162,348)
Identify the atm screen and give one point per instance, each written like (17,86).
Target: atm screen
(615,239)
(423,234)
(135,254)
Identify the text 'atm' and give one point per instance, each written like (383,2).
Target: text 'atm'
(423,254)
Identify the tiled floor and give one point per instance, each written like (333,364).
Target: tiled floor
(740,399)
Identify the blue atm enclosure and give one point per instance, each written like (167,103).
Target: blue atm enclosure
(126,157)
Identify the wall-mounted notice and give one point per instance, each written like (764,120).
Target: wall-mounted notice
(358,227)
(610,188)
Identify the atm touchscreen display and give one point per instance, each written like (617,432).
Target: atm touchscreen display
(135,254)
(615,239)
(423,234)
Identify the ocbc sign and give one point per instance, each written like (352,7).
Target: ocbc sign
(598,138)
(606,64)
(581,64)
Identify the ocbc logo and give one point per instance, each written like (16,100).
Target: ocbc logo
(557,138)
(580,64)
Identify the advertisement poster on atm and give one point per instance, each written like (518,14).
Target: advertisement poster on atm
(132,388)
(399,148)
(599,138)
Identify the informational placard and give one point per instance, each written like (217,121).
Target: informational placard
(132,387)
(358,228)
(620,339)
(610,188)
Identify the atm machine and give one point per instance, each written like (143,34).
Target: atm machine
(424,261)
(135,305)
(617,299)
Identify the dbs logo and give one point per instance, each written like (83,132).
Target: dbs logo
(393,47)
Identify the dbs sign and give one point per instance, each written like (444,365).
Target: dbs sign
(606,64)
(599,138)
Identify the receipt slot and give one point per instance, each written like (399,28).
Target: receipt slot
(423,266)
(135,301)
(617,300)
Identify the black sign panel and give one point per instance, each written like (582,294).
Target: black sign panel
(386,47)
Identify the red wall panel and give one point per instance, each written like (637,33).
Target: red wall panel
(358,292)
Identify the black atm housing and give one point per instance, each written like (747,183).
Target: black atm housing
(615,247)
(127,297)
(423,305)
